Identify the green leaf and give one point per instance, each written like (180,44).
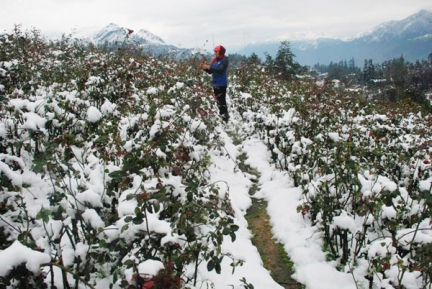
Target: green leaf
(233,236)
(117,176)
(190,234)
(137,220)
(43,214)
(226,231)
(351,164)
(102,243)
(124,228)
(156,207)
(40,164)
(137,211)
(218,268)
(234,228)
(190,196)
(210,265)
(115,278)
(128,263)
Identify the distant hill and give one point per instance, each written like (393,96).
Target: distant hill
(410,37)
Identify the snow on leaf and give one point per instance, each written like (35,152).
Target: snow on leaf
(17,254)
(93,114)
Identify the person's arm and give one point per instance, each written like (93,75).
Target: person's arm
(222,66)
(206,67)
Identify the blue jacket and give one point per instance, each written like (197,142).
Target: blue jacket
(218,70)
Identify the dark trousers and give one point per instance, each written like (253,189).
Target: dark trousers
(220,93)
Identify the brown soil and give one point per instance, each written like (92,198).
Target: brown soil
(272,253)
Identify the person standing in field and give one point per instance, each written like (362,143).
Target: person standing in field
(218,69)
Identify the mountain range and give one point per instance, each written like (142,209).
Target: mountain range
(114,34)
(410,37)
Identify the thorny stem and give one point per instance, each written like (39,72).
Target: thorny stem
(7,223)
(67,270)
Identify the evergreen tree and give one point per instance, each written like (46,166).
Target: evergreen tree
(284,65)
(398,71)
(352,67)
(253,59)
(269,63)
(369,73)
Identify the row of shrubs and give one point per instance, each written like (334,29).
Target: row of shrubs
(104,165)
(364,167)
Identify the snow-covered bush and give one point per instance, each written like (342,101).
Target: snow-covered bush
(97,175)
(365,171)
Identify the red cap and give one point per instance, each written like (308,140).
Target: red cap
(219,49)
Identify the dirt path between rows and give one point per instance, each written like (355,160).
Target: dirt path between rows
(272,253)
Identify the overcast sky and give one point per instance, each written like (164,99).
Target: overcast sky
(202,23)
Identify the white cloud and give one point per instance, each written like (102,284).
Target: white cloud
(189,23)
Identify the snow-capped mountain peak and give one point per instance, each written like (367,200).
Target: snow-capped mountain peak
(150,37)
(110,33)
(113,33)
(410,37)
(416,25)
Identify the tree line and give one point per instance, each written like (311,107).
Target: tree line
(393,80)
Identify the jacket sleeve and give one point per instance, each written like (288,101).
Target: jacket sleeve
(222,66)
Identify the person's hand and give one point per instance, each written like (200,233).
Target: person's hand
(204,65)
